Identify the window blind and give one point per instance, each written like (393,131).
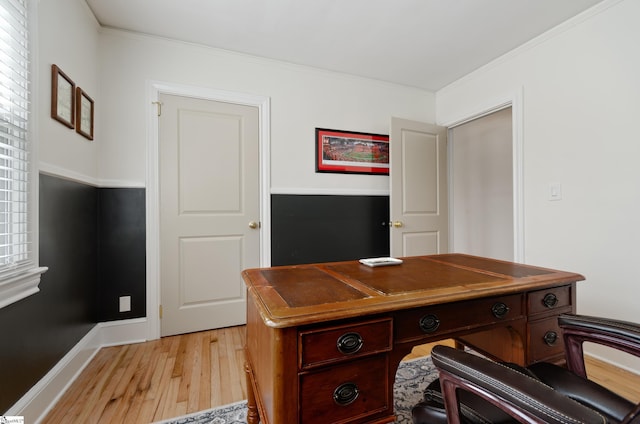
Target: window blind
(15,237)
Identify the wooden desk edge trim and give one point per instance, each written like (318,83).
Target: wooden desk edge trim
(386,304)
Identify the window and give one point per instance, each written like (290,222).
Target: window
(19,273)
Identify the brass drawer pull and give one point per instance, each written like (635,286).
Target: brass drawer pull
(550,300)
(345,394)
(499,310)
(429,323)
(350,343)
(550,338)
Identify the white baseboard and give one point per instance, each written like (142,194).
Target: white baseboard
(128,331)
(39,400)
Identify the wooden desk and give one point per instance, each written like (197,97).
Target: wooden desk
(324,341)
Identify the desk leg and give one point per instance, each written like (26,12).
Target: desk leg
(253,417)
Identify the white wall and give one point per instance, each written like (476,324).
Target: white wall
(302,99)
(67,36)
(581,109)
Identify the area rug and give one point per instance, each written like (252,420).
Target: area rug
(411,379)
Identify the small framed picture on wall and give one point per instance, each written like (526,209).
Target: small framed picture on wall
(84,114)
(62,97)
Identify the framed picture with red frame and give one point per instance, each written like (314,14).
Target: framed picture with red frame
(351,152)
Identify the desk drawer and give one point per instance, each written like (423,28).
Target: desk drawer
(549,300)
(441,319)
(545,339)
(348,392)
(330,344)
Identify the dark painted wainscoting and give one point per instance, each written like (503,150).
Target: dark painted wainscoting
(93,242)
(38,331)
(122,254)
(320,228)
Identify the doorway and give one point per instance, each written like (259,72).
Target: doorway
(482,186)
(155,90)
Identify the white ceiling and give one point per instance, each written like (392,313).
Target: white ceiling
(420,43)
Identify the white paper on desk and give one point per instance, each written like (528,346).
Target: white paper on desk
(373,262)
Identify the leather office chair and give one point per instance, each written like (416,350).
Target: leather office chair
(472,389)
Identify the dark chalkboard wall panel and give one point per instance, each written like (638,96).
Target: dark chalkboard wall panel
(321,228)
(93,242)
(37,331)
(122,252)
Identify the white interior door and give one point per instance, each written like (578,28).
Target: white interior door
(209,211)
(418,178)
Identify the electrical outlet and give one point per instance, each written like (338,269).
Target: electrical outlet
(125,303)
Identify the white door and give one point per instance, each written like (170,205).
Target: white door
(209,211)
(418,177)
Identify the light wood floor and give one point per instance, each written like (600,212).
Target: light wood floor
(156,380)
(146,382)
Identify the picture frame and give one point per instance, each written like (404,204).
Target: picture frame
(84,114)
(62,97)
(351,152)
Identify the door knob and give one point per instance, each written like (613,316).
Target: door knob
(253,225)
(397,224)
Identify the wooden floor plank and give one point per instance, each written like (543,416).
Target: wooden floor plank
(188,357)
(225,371)
(191,381)
(205,374)
(214,363)
(173,376)
(164,392)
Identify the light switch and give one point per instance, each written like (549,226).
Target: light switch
(555,191)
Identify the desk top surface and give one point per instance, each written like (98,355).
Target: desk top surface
(302,294)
